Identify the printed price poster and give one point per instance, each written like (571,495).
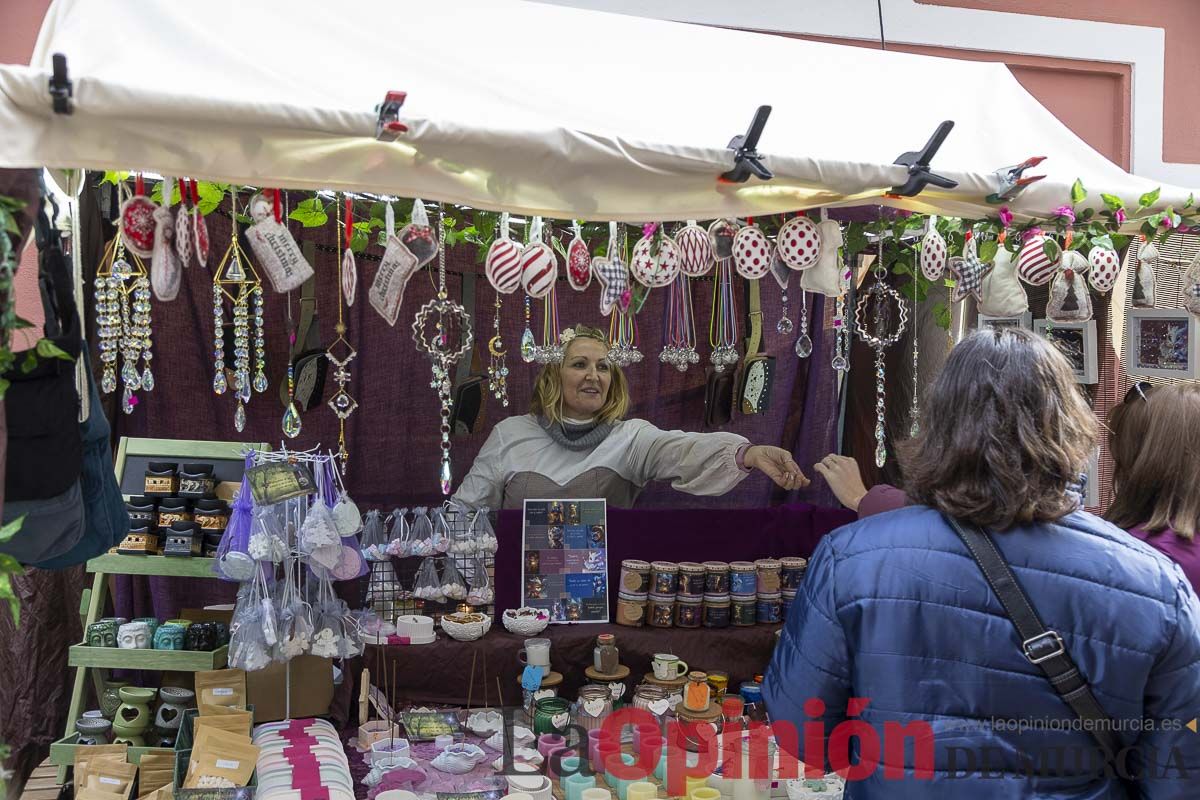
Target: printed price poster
(565,568)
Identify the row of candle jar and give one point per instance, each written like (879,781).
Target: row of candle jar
(690,579)
(709,611)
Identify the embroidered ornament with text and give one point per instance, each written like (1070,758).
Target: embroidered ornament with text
(655,259)
(752,252)
(695,250)
(539,265)
(579,260)
(276,251)
(396,269)
(884,329)
(503,263)
(799,243)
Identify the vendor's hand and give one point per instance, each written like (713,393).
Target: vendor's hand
(777,464)
(843,477)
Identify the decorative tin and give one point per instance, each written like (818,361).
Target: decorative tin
(635,576)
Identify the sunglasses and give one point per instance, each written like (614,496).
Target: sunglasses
(1139,389)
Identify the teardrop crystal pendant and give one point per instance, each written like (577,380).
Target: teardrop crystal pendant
(147,380)
(445,476)
(914,429)
(239,418)
(291,421)
(260,382)
(803,345)
(219,383)
(840,363)
(527,346)
(108,383)
(127,400)
(880,455)
(130,377)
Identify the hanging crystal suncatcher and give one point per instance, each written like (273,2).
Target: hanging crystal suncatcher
(442,331)
(236,280)
(340,353)
(879,334)
(498,366)
(123,317)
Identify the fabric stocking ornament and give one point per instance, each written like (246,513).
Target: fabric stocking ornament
(396,268)
(579,261)
(1069,297)
(276,251)
(165,271)
(349,267)
(1002,294)
(1143,284)
(824,277)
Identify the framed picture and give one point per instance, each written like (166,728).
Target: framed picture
(1077,341)
(1023,321)
(565,568)
(1162,343)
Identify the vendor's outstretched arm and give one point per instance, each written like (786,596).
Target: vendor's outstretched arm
(696,463)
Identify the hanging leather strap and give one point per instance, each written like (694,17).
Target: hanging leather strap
(1039,645)
(753,318)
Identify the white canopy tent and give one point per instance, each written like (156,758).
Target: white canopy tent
(525,107)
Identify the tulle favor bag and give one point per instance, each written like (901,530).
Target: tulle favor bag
(421,533)
(479,585)
(453,584)
(428,584)
(400,538)
(234,562)
(374,537)
(482,532)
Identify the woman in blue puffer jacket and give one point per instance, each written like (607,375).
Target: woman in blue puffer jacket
(896,626)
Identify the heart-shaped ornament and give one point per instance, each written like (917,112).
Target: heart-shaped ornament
(593,708)
(1033,265)
(695,250)
(799,243)
(933,255)
(653,269)
(751,252)
(560,721)
(617,690)
(720,236)
(659,707)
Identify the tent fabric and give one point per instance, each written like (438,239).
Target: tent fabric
(535,109)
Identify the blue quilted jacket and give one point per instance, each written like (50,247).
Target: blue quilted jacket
(894,610)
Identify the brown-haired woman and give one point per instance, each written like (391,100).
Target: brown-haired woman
(1154,438)
(895,623)
(575,442)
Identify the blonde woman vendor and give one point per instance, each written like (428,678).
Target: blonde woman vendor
(575,442)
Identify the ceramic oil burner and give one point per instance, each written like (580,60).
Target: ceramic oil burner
(200,636)
(93,730)
(175,701)
(152,623)
(134,636)
(169,636)
(102,634)
(110,698)
(133,716)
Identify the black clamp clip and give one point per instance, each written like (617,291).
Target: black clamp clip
(746,159)
(61,88)
(388,127)
(919,175)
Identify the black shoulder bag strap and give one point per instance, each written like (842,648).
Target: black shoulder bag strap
(1040,646)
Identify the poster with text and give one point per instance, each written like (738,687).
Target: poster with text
(565,566)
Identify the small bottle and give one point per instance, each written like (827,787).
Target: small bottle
(606,656)
(695,697)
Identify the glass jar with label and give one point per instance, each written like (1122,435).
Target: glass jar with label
(551,715)
(651,698)
(696,693)
(664,577)
(635,576)
(687,612)
(743,611)
(716,577)
(605,656)
(631,609)
(792,573)
(743,578)
(768,575)
(661,610)
(691,577)
(770,608)
(716,610)
(595,704)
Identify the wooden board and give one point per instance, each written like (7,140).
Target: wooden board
(133,454)
(81,655)
(166,566)
(42,784)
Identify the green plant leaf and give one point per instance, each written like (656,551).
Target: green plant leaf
(211,195)
(156,193)
(9,223)
(11,529)
(1103,241)
(242,218)
(941,315)
(30,362)
(114,178)
(7,594)
(1112,202)
(987,251)
(48,349)
(1078,193)
(1149,198)
(310,213)
(856,238)
(1191,201)
(1051,249)
(900,268)
(4,384)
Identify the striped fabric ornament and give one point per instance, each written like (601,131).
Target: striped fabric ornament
(1106,265)
(752,254)
(503,263)
(799,243)
(1033,265)
(539,268)
(654,269)
(695,250)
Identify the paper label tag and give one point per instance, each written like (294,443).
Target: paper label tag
(560,720)
(659,707)
(675,699)
(110,781)
(225,763)
(222,691)
(593,707)
(617,689)
(542,693)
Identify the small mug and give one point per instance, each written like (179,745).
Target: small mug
(668,667)
(134,636)
(200,636)
(169,636)
(535,653)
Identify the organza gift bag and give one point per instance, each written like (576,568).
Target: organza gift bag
(421,533)
(428,584)
(441,530)
(484,535)
(234,562)
(453,585)
(374,537)
(479,585)
(400,539)
(252,633)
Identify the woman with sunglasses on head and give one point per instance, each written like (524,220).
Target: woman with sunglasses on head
(1154,439)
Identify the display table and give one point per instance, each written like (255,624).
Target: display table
(440,673)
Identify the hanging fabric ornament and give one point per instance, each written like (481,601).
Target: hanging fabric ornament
(799,243)
(874,320)
(752,252)
(720,236)
(1035,265)
(123,319)
(498,366)
(613,276)
(340,354)
(274,248)
(1191,286)
(695,250)
(165,271)
(804,344)
(503,263)
(138,221)
(1143,284)
(396,268)
(679,337)
(418,235)
(1069,297)
(442,331)
(237,281)
(933,253)
(968,272)
(1106,265)
(579,261)
(349,282)
(655,260)
(539,265)
(824,276)
(1002,294)
(200,239)
(184,231)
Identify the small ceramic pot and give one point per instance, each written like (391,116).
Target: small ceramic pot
(93,730)
(169,636)
(201,636)
(151,622)
(134,636)
(102,634)
(175,701)
(110,698)
(133,715)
